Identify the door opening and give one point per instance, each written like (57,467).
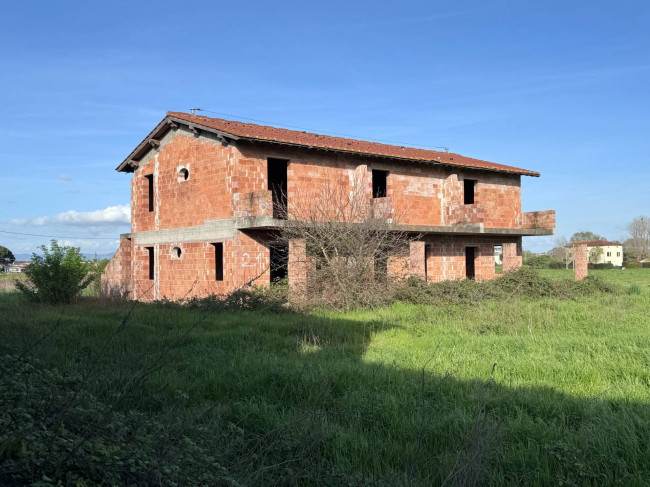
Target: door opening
(279,259)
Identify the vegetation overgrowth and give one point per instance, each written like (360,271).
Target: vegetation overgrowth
(530,380)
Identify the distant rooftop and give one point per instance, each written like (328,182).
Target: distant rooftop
(598,243)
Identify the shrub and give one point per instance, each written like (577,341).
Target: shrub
(97,267)
(272,298)
(58,276)
(634,289)
(539,262)
(607,265)
(645,265)
(522,283)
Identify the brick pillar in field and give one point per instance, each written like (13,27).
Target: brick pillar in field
(417,259)
(511,257)
(580,261)
(297,268)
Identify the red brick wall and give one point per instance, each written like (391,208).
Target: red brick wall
(205,195)
(245,261)
(418,194)
(446,256)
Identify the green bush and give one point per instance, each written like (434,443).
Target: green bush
(97,267)
(539,262)
(271,298)
(522,283)
(607,265)
(58,276)
(645,265)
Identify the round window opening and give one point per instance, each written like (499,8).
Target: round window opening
(177,252)
(183,174)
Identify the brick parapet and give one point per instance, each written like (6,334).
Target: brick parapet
(538,219)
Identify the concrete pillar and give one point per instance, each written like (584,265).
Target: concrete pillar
(417,260)
(297,268)
(511,256)
(580,261)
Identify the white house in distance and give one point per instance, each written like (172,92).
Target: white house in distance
(612,251)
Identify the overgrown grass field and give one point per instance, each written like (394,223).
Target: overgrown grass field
(513,391)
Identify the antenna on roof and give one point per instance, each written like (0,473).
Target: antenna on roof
(194,109)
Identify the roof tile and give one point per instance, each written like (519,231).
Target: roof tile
(306,139)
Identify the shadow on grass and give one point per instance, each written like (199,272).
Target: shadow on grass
(289,399)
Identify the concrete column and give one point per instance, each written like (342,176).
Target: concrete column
(580,261)
(511,256)
(417,259)
(297,268)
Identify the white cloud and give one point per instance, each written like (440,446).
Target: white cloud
(66,178)
(120,214)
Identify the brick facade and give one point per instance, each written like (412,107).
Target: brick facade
(210,190)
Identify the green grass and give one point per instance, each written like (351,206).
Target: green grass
(518,392)
(9,277)
(624,278)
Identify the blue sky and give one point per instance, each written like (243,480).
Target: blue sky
(558,87)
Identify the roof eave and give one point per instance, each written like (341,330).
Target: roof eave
(169,122)
(521,172)
(131,162)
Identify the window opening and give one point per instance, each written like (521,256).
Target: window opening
(468,191)
(277,176)
(379,183)
(218,261)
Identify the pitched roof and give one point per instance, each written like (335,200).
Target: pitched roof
(598,243)
(264,133)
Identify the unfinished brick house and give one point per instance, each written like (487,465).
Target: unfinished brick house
(204,203)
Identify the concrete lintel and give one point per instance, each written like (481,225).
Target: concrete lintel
(209,231)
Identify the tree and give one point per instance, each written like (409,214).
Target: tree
(637,247)
(595,254)
(58,276)
(563,252)
(6,256)
(585,236)
(351,241)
